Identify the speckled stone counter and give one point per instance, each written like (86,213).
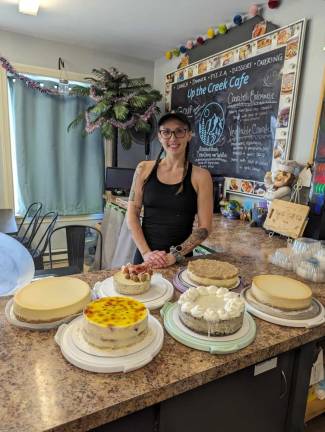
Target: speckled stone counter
(41,391)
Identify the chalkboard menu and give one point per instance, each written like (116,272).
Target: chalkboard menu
(241,104)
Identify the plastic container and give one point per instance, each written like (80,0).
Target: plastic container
(310,269)
(320,255)
(305,247)
(283,258)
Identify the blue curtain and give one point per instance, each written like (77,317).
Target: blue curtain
(63,170)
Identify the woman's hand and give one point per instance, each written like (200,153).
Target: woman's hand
(169,260)
(156,258)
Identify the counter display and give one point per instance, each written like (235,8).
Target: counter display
(41,391)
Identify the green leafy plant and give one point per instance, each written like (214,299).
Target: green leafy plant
(120,103)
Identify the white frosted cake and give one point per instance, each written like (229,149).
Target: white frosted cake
(211,310)
(133,279)
(281,292)
(213,272)
(114,322)
(50,299)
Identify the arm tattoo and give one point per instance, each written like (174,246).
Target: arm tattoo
(197,237)
(136,175)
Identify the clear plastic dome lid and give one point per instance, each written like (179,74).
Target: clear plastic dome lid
(282,257)
(305,246)
(311,269)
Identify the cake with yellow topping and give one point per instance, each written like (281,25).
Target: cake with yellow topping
(133,279)
(212,272)
(51,299)
(115,322)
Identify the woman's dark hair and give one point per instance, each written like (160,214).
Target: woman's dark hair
(182,118)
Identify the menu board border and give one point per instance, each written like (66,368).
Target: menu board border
(282,133)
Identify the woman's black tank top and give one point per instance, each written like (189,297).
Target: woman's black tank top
(168,217)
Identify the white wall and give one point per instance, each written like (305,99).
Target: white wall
(312,68)
(18,48)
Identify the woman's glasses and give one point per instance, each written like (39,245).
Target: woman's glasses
(178,133)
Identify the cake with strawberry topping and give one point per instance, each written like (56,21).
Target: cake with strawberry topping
(133,279)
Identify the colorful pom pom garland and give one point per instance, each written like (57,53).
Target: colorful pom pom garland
(273,4)
(211,33)
(238,19)
(253,10)
(221,29)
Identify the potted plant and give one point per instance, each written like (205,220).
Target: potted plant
(120,104)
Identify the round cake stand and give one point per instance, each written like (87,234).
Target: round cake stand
(160,291)
(182,282)
(11,318)
(288,319)
(213,344)
(135,357)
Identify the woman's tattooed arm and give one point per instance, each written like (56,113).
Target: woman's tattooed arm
(197,237)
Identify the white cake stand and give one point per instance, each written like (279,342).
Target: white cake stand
(12,319)
(160,291)
(79,353)
(312,317)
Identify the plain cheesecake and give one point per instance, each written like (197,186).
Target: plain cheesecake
(51,299)
(281,292)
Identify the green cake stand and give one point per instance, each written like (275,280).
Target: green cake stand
(212,344)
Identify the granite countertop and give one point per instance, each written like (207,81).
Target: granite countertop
(237,238)
(41,391)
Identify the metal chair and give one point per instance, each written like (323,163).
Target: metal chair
(76,241)
(37,252)
(26,237)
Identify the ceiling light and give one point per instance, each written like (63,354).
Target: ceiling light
(29,7)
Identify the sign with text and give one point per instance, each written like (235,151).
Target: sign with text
(240,104)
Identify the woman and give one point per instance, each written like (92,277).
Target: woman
(172,191)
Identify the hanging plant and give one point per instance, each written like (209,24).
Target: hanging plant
(120,103)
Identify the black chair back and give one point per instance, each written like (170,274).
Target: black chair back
(37,252)
(32,214)
(76,241)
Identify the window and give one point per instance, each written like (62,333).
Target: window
(64,170)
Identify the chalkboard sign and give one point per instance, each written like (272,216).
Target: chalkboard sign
(241,104)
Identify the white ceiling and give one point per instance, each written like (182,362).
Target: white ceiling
(143,29)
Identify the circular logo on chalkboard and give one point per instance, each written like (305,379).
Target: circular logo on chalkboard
(211,124)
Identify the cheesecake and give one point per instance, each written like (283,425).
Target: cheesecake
(211,310)
(114,322)
(281,292)
(213,272)
(51,299)
(133,279)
